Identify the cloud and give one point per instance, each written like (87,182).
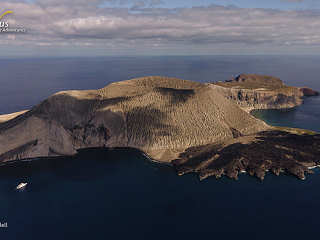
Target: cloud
(86,23)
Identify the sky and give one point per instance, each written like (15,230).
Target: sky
(160,27)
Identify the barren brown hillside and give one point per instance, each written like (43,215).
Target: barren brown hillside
(197,127)
(161,116)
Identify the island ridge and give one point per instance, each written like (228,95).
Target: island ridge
(197,127)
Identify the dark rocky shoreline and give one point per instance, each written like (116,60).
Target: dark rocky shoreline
(274,151)
(269,151)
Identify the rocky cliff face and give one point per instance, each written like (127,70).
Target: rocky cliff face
(308,92)
(250,99)
(251,91)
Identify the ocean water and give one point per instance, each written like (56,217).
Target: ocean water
(121,195)
(306,116)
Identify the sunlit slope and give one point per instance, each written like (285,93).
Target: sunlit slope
(155,114)
(172,113)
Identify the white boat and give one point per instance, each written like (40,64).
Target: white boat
(21,185)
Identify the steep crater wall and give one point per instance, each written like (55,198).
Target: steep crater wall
(252,91)
(250,99)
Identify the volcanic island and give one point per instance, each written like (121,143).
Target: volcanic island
(205,128)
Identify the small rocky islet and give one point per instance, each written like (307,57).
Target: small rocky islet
(204,128)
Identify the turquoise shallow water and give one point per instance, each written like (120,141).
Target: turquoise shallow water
(121,195)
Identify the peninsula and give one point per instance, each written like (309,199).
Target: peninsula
(197,127)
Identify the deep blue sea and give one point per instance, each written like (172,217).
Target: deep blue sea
(121,195)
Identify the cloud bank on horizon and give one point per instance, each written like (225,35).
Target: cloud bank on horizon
(100,27)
